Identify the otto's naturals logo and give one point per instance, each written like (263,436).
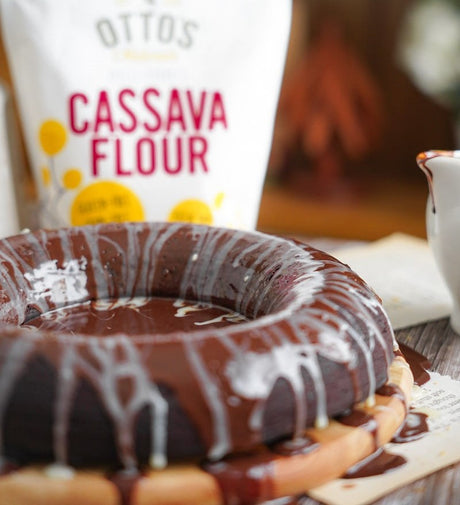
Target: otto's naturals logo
(149,26)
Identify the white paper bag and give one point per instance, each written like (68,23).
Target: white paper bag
(147,109)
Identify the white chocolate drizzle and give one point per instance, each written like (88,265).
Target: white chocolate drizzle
(184,308)
(211,391)
(61,285)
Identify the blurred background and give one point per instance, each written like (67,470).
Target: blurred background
(368,85)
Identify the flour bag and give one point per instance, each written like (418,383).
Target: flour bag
(147,109)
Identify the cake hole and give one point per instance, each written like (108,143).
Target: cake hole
(133,316)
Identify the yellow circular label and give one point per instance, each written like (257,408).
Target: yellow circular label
(192,211)
(105,202)
(52,136)
(72,178)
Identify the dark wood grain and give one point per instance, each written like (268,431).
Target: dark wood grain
(438,342)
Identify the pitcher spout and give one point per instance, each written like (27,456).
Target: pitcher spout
(442,170)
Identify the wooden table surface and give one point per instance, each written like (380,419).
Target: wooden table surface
(441,345)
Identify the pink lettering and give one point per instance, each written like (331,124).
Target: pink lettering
(73,100)
(103,113)
(197,149)
(217,111)
(145,150)
(132,124)
(196,113)
(175,112)
(96,154)
(119,170)
(151,93)
(167,155)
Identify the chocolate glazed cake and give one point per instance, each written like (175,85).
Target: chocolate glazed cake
(140,346)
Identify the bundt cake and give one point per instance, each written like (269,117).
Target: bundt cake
(184,352)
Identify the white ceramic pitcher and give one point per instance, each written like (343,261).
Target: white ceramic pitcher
(442,169)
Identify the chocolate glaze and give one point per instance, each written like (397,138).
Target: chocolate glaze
(244,480)
(415,426)
(300,445)
(125,482)
(378,463)
(363,420)
(249,479)
(418,363)
(390,389)
(317,341)
(134,316)
(422,161)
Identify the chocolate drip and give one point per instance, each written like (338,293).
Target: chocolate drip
(363,420)
(422,161)
(245,480)
(125,482)
(418,363)
(300,445)
(415,426)
(378,463)
(393,390)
